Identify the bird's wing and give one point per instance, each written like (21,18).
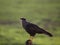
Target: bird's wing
(35,28)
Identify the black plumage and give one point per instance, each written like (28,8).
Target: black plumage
(33,29)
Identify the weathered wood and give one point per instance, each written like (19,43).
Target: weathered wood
(28,42)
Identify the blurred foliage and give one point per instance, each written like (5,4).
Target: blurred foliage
(44,13)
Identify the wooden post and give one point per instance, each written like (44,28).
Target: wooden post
(28,42)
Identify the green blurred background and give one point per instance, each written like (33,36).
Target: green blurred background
(44,13)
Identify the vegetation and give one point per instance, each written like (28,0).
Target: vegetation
(44,13)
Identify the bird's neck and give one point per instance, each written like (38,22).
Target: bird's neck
(24,22)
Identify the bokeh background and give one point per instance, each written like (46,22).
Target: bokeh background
(44,13)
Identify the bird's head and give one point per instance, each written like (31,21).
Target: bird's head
(22,18)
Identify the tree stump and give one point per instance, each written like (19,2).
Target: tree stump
(28,42)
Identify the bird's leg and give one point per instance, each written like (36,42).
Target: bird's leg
(29,41)
(31,38)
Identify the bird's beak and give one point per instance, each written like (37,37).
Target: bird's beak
(20,18)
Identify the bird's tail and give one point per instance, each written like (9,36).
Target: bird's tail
(49,34)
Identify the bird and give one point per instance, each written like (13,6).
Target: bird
(33,29)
